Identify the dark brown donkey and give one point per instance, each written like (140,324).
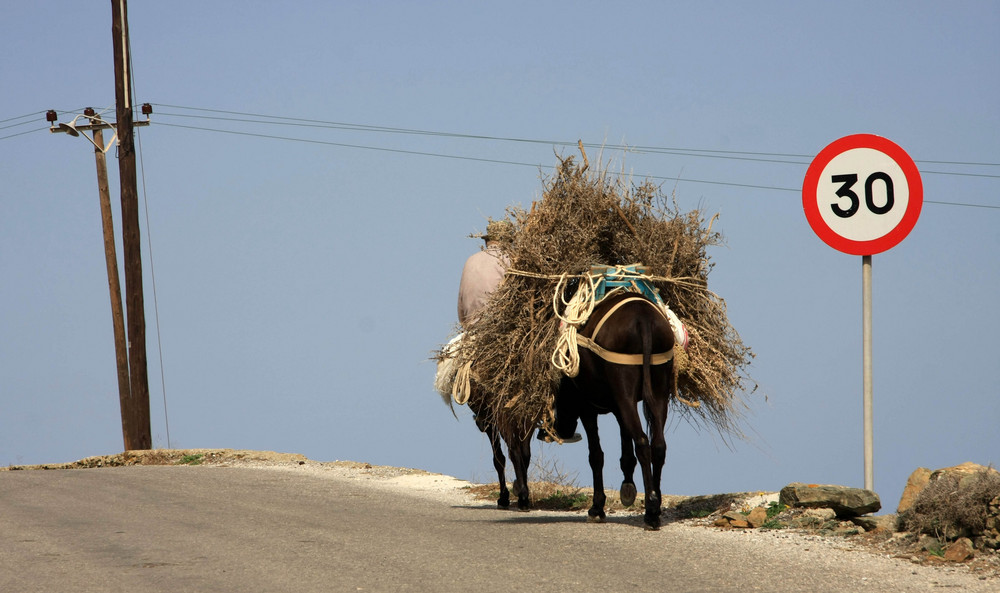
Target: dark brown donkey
(517,435)
(630,325)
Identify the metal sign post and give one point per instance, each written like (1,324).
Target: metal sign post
(866,325)
(862,195)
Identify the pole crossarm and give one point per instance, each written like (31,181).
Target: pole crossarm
(74,129)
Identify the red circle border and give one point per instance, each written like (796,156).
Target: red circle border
(810,187)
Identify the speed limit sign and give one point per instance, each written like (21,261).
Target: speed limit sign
(862,194)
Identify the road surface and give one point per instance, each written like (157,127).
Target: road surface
(306,528)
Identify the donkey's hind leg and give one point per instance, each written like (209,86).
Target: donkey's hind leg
(499,463)
(628,462)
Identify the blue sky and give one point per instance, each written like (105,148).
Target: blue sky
(307,257)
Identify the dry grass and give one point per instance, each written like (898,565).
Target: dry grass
(947,510)
(595,217)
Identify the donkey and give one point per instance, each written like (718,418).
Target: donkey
(626,356)
(517,435)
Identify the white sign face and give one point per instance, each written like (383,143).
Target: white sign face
(862,194)
(865,195)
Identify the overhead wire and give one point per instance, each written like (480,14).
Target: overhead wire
(241,117)
(699,152)
(706,153)
(27,121)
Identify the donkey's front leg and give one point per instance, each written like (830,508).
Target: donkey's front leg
(596,458)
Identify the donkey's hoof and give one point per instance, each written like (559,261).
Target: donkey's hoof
(598,517)
(627,494)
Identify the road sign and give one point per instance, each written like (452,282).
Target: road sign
(862,194)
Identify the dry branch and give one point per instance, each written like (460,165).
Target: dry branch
(588,217)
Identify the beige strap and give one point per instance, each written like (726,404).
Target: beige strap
(619,358)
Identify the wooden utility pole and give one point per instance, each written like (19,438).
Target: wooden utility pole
(114,286)
(135,415)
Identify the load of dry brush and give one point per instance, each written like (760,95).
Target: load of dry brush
(587,217)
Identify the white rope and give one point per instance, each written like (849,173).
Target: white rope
(463,386)
(576,311)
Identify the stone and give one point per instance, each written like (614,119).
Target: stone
(962,471)
(960,550)
(822,515)
(757,517)
(883,523)
(915,484)
(929,544)
(806,522)
(846,502)
(734,516)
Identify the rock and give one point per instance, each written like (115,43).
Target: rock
(815,519)
(757,517)
(822,514)
(959,550)
(805,522)
(734,516)
(843,528)
(961,472)
(884,523)
(927,543)
(915,484)
(739,524)
(846,502)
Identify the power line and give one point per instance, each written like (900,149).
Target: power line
(693,152)
(461,157)
(768,157)
(535,165)
(23,133)
(347,145)
(39,113)
(776,157)
(25,116)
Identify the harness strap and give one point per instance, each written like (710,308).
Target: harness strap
(618,357)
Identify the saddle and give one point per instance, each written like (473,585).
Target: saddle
(633,278)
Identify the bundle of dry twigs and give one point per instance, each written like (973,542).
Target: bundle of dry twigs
(587,217)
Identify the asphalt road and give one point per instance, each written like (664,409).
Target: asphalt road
(232,529)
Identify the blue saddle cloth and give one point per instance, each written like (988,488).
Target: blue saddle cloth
(607,278)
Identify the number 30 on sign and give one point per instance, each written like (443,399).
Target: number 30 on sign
(862,194)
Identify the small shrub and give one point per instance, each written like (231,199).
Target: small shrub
(560,500)
(774,509)
(194,459)
(949,509)
(545,468)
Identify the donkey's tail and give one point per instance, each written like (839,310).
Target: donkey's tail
(646,330)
